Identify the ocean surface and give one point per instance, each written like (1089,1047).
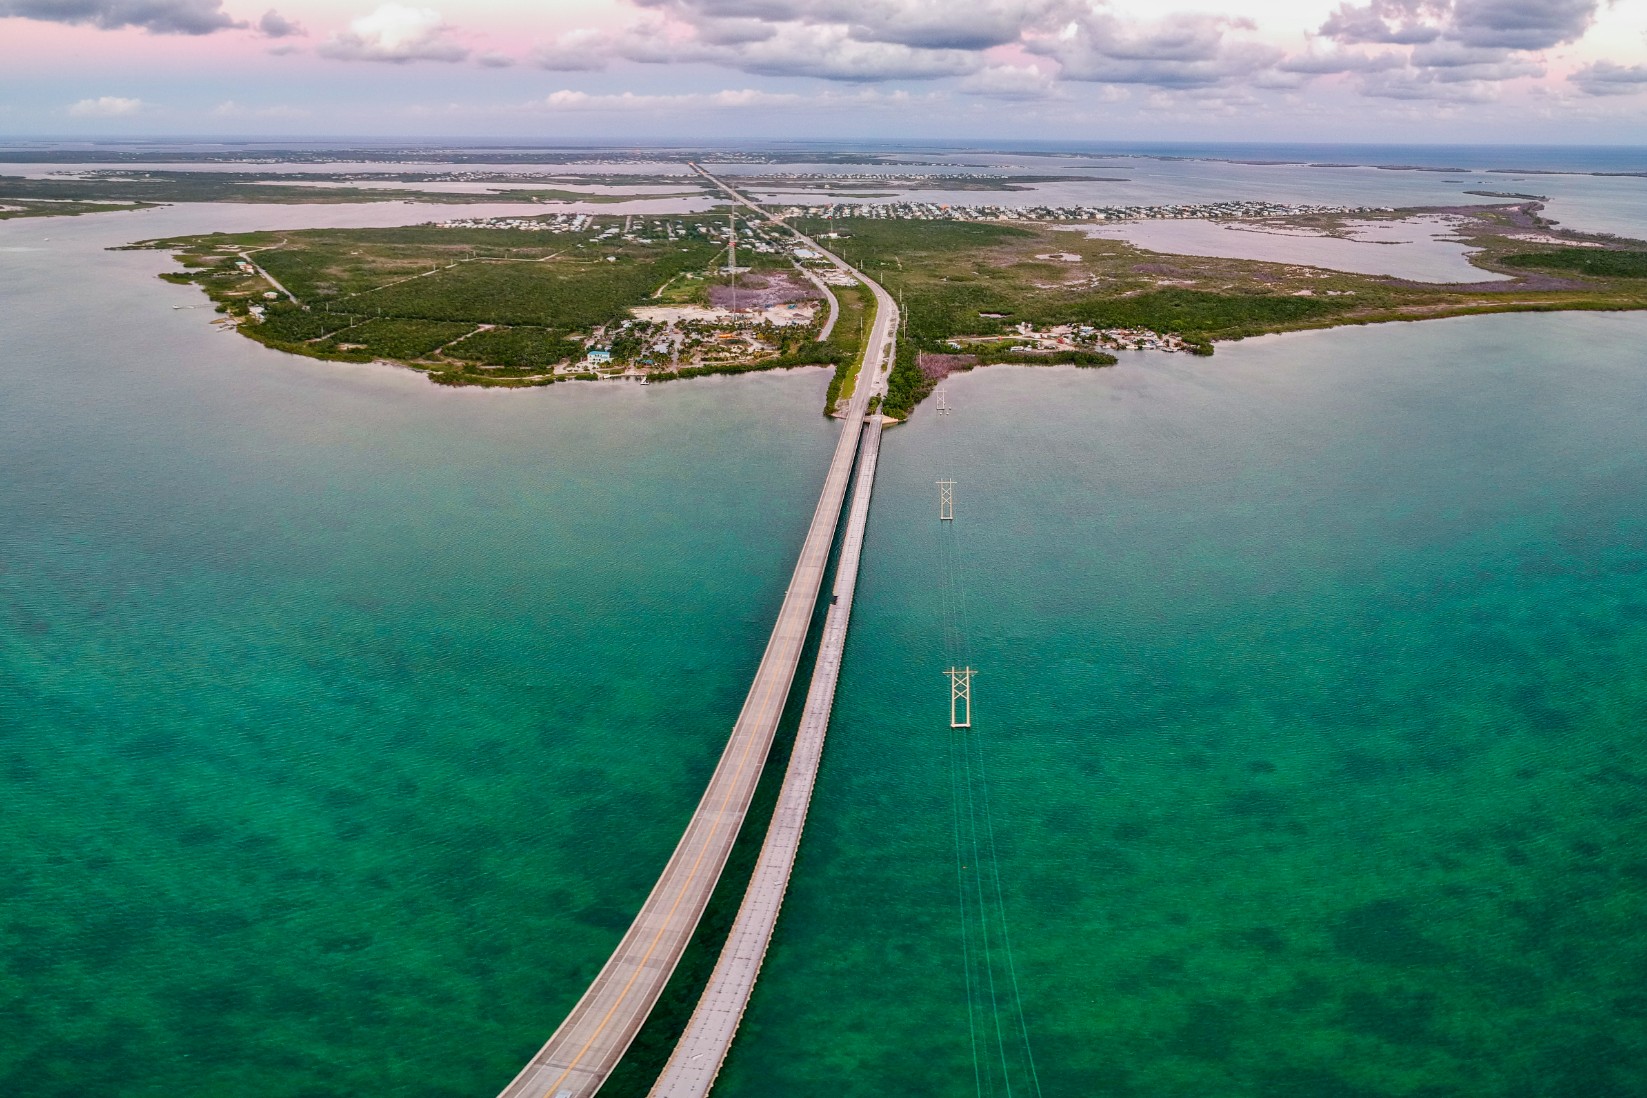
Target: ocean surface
(345,720)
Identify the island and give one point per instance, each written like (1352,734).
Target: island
(530,301)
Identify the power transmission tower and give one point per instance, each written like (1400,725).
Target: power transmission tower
(732,256)
(946,501)
(960,697)
(943,403)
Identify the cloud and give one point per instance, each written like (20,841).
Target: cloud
(1610,78)
(492,59)
(107,106)
(396,34)
(1427,85)
(951,25)
(570,100)
(1321,63)
(1180,51)
(1444,49)
(1009,82)
(275,25)
(576,51)
(1522,24)
(230,109)
(1385,22)
(1450,62)
(827,51)
(154,16)
(830,52)
(842,40)
(1455,50)
(1484,24)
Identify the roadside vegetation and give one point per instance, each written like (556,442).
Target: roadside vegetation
(846,342)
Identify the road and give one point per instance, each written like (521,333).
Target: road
(703,1046)
(881,338)
(269,278)
(579,1056)
(829,296)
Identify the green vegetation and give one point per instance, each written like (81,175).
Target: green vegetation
(997,355)
(535,349)
(15,205)
(492,305)
(487,305)
(1595,262)
(293,324)
(847,341)
(906,385)
(398,339)
(968,281)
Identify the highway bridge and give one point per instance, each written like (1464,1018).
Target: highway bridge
(581,1053)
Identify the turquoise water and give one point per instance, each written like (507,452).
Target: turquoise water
(1310,705)
(343,724)
(344,721)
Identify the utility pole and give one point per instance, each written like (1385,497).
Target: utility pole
(960,697)
(946,501)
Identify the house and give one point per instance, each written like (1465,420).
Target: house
(598,356)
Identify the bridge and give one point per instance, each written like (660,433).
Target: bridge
(581,1053)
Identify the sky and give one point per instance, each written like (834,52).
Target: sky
(1403,71)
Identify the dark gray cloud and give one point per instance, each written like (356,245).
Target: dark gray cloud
(946,25)
(838,39)
(1183,51)
(275,25)
(1442,49)
(832,53)
(1487,24)
(1521,24)
(1456,49)
(1608,78)
(1385,22)
(154,16)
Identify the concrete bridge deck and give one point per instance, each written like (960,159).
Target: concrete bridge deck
(582,1052)
(703,1046)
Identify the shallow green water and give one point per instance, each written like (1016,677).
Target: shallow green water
(343,724)
(1311,705)
(345,721)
